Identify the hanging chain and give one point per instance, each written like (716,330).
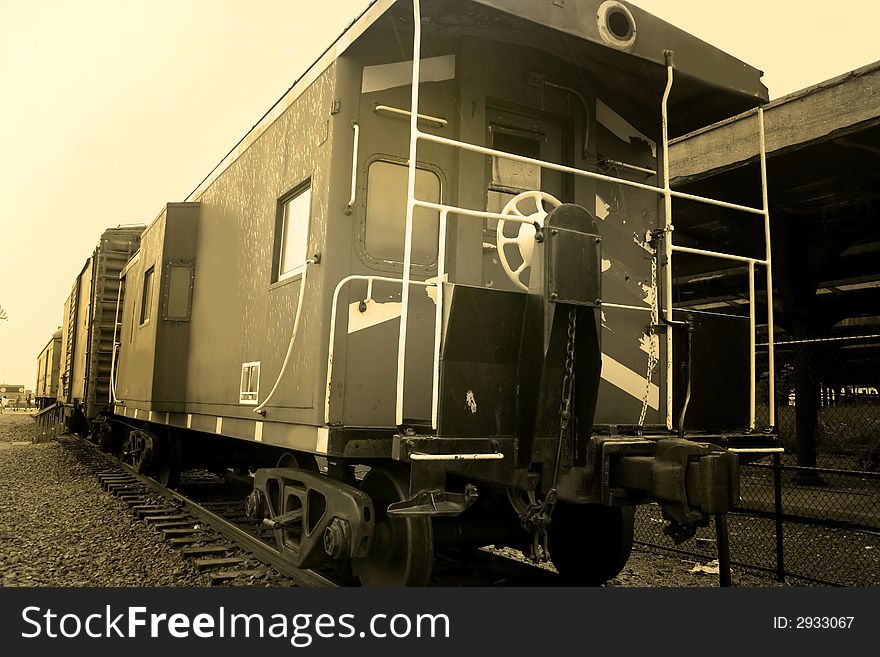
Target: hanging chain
(538,518)
(653,356)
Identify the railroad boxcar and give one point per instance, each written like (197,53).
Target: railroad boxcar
(78,378)
(48,366)
(457,272)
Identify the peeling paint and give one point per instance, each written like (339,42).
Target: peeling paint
(432,291)
(606,264)
(643,243)
(471,401)
(399,74)
(650,343)
(650,294)
(620,127)
(375,313)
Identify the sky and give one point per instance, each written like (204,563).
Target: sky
(111,108)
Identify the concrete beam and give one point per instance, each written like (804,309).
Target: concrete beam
(828,110)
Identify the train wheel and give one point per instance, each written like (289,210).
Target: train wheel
(402,552)
(590,543)
(167,470)
(300,460)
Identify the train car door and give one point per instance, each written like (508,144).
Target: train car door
(519,134)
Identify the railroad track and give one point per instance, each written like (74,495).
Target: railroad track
(204,520)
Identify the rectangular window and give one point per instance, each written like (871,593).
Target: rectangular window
(292,235)
(147,296)
(250,383)
(179,292)
(386,213)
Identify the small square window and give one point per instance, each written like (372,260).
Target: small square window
(385,224)
(250,383)
(292,235)
(147,296)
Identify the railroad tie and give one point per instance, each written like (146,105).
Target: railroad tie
(222,576)
(182,541)
(209,562)
(204,550)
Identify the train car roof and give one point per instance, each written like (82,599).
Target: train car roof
(710,84)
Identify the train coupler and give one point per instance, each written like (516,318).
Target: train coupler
(435,503)
(688,479)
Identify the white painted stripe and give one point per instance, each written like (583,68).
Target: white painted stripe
(219,426)
(258,431)
(400,74)
(632,383)
(601,207)
(376,313)
(322,439)
(620,127)
(189,420)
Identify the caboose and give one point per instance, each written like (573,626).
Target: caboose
(445,259)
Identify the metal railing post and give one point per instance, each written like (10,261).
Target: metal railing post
(777,514)
(667,242)
(771,358)
(410,207)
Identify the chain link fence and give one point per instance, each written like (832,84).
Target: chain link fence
(827,401)
(813,513)
(827,534)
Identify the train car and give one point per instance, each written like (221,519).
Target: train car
(76,363)
(446,255)
(48,368)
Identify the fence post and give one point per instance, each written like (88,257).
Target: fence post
(777,508)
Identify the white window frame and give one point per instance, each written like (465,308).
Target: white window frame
(244,395)
(303,232)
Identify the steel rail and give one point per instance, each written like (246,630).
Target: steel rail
(247,542)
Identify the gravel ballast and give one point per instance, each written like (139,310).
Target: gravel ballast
(58,528)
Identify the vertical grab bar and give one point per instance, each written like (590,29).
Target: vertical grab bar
(667,228)
(354,165)
(438,319)
(410,207)
(771,356)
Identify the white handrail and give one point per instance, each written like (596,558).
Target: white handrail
(667,243)
(771,357)
(410,208)
(667,193)
(299,305)
(333,308)
(354,169)
(441,122)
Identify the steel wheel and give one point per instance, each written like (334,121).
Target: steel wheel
(167,471)
(298,460)
(589,543)
(402,552)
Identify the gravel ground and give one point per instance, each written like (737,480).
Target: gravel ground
(58,528)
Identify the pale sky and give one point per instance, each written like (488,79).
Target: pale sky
(111,108)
